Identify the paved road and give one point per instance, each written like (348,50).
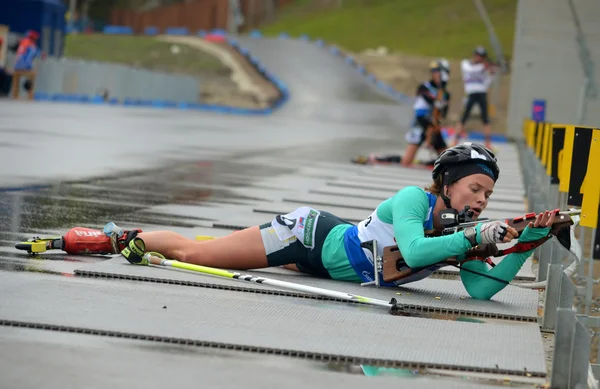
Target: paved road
(205,173)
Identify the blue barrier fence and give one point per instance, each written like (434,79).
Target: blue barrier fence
(284,92)
(280,85)
(166,103)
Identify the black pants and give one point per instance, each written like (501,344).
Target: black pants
(437,140)
(480,99)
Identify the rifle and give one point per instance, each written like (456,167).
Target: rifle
(436,116)
(393,267)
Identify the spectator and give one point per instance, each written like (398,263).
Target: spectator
(27,52)
(476,73)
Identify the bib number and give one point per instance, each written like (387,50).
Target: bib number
(300,224)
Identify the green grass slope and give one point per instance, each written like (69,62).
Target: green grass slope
(449,28)
(140,51)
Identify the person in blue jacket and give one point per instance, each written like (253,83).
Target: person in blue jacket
(26,54)
(324,245)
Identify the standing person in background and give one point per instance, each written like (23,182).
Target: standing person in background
(477,77)
(27,52)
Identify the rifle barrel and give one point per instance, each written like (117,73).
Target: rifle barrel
(461,226)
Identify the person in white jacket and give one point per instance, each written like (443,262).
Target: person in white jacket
(477,76)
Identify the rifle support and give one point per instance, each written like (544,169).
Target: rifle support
(372,247)
(391,262)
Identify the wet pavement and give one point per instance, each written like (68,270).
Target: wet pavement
(75,165)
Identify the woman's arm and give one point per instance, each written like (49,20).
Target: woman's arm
(483,288)
(424,92)
(410,208)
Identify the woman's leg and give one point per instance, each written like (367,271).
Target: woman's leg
(241,250)
(409,155)
(415,138)
(487,128)
(460,126)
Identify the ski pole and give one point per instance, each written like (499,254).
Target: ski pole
(155,260)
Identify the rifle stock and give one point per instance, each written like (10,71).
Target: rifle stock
(436,116)
(395,268)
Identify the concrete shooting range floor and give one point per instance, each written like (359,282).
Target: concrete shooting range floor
(97,321)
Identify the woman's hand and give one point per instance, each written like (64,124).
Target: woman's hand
(538,228)
(543,220)
(497,232)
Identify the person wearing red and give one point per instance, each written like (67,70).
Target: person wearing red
(27,52)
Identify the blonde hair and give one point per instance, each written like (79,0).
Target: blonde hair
(436,186)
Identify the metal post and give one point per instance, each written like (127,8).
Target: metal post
(544,261)
(567,292)
(580,356)
(555,196)
(552,297)
(596,370)
(581,270)
(590,277)
(563,347)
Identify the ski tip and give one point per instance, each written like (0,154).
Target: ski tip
(32,247)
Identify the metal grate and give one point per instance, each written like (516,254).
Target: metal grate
(185,365)
(426,296)
(264,324)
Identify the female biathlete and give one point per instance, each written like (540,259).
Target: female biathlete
(322,244)
(429,109)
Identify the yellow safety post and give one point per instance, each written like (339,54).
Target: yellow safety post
(545,144)
(539,139)
(531,134)
(565,158)
(591,185)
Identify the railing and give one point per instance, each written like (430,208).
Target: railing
(561,166)
(77,80)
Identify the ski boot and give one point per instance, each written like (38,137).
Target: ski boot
(81,240)
(363,160)
(136,254)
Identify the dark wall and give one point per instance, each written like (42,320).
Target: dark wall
(195,15)
(44,16)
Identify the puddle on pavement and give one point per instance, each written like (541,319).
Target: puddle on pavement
(94,203)
(31,213)
(54,210)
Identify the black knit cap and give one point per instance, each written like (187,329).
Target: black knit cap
(454,173)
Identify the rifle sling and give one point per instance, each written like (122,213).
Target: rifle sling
(392,255)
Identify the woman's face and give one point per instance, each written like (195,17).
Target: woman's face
(473,190)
